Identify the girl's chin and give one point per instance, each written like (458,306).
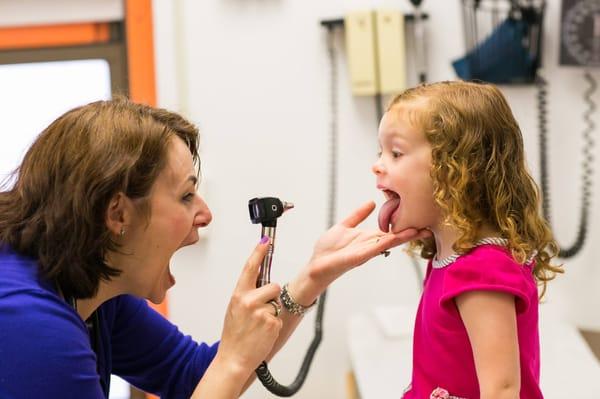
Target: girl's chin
(397,227)
(400,226)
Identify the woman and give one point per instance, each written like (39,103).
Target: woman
(102,200)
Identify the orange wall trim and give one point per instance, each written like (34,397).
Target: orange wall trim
(162,307)
(141,72)
(53,35)
(140,51)
(140,60)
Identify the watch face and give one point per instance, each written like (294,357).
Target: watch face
(580,33)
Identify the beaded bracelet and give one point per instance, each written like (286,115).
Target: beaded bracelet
(291,305)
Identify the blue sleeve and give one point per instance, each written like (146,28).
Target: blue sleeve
(44,349)
(152,354)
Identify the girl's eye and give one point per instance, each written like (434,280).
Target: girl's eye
(395,154)
(188,197)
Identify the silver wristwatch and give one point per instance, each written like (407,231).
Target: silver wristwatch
(291,305)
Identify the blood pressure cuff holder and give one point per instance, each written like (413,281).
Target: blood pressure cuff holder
(503,57)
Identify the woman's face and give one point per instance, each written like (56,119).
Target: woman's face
(176,214)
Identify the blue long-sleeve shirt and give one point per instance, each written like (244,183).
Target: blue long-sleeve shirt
(45,349)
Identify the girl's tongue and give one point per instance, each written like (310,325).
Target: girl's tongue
(385,213)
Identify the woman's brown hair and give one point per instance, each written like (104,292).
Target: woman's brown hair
(479,171)
(55,211)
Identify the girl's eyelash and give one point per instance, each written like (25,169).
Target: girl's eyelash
(188,197)
(395,154)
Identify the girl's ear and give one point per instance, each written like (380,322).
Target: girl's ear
(118,214)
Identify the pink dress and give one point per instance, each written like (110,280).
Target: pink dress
(443,364)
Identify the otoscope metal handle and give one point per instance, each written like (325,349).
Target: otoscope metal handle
(264,274)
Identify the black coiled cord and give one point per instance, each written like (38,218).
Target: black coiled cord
(587,172)
(264,375)
(262,372)
(542,104)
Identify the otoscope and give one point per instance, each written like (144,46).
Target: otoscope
(265,211)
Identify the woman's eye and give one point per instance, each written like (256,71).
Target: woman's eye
(188,197)
(396,154)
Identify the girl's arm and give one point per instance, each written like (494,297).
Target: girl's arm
(491,322)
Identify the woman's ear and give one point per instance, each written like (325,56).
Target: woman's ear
(118,214)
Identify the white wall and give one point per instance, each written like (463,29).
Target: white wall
(254,76)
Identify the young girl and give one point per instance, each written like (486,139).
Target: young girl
(452,161)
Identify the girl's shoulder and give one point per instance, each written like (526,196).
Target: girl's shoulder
(490,268)
(494,258)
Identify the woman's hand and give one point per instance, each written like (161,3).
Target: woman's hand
(250,328)
(249,333)
(342,248)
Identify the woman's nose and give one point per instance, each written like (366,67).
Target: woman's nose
(203,216)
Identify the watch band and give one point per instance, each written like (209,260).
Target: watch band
(290,304)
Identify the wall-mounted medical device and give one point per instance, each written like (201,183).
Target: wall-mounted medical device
(503,41)
(579,47)
(580,33)
(375,48)
(382,46)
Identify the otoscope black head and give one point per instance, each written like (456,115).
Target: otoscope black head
(266,210)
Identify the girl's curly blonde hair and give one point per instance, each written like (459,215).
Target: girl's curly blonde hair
(478,170)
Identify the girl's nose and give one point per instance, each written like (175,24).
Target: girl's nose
(377,167)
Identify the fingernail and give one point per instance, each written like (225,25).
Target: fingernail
(264,240)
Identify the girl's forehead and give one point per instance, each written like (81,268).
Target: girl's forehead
(398,124)
(412,111)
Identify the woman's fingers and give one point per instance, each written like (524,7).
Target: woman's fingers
(249,275)
(252,323)
(262,295)
(412,234)
(359,214)
(274,308)
(390,240)
(376,243)
(247,296)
